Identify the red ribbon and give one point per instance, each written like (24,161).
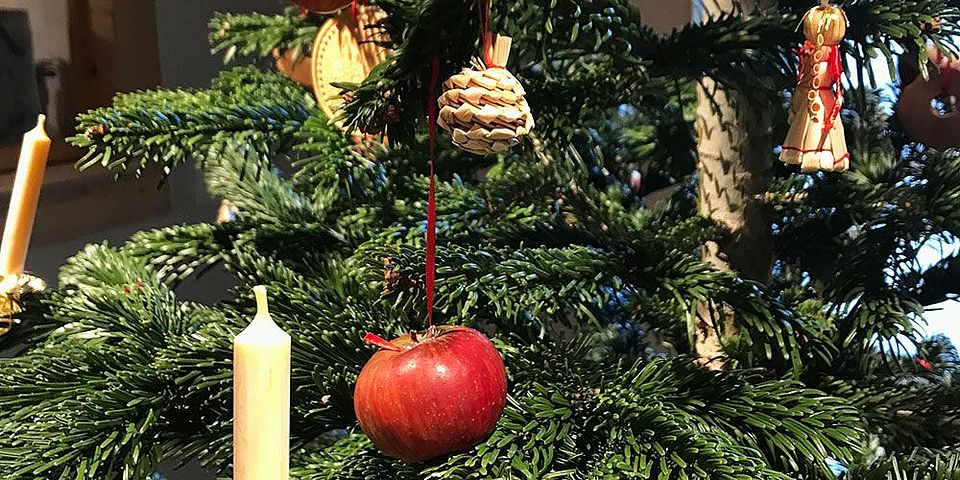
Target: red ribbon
(355,9)
(835,68)
(946,73)
(834,75)
(431,259)
(432,197)
(484,9)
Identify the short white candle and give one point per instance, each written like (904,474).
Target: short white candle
(261,398)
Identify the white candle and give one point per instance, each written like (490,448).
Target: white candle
(261,398)
(23,200)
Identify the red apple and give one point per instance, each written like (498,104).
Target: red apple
(427,395)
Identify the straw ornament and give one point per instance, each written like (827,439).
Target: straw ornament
(816,139)
(483,107)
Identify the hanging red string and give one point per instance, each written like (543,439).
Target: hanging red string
(355,8)
(946,73)
(484,10)
(431,259)
(432,197)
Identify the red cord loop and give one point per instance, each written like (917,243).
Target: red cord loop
(432,196)
(946,73)
(431,254)
(484,7)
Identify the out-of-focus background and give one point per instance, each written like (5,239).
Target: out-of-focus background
(63,57)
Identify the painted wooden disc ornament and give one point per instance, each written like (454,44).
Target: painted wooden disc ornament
(323,6)
(294,67)
(816,139)
(483,107)
(345,50)
(928,108)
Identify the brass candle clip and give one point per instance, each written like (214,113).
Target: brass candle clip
(11,289)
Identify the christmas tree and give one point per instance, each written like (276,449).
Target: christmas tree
(669,300)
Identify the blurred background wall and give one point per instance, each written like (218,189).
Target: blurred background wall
(169,49)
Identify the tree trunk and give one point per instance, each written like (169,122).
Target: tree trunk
(734,152)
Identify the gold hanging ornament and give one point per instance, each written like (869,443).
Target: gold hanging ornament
(816,139)
(483,107)
(11,288)
(346,50)
(227,212)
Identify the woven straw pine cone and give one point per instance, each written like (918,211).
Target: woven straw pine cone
(484,109)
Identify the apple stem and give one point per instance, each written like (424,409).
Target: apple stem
(378,341)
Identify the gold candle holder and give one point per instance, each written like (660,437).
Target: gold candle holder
(11,288)
(227,212)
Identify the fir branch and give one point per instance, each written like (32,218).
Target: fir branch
(647,389)
(903,409)
(508,285)
(180,251)
(940,283)
(351,458)
(920,465)
(85,423)
(789,423)
(95,267)
(256,34)
(259,194)
(257,109)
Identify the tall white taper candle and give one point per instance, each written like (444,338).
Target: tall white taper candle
(23,200)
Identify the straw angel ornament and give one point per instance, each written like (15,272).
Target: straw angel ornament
(816,139)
